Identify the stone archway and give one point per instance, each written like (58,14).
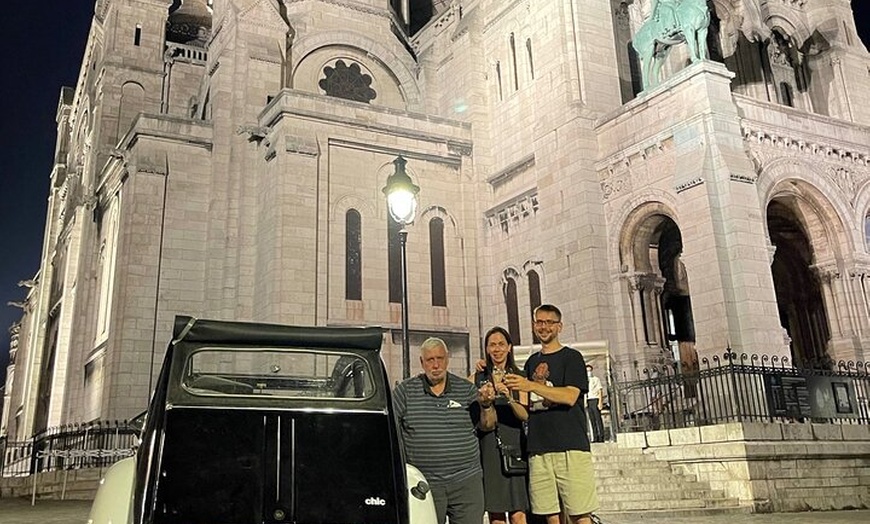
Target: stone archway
(798,285)
(658,285)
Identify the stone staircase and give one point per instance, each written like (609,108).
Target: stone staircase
(633,482)
(75,484)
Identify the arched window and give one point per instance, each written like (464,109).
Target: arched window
(347,81)
(137,35)
(353,256)
(394,260)
(132,103)
(513,44)
(534,297)
(436,262)
(531,58)
(513,313)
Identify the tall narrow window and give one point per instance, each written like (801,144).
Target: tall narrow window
(436,259)
(109,223)
(531,58)
(137,36)
(785,94)
(353,256)
(514,62)
(867,231)
(513,313)
(394,260)
(498,79)
(534,298)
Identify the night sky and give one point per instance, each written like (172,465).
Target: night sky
(42,48)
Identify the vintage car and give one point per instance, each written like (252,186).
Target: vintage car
(257,423)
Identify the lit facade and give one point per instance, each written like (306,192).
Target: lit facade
(227,162)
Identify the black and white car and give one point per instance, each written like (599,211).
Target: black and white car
(258,423)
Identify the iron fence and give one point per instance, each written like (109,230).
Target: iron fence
(92,445)
(742,388)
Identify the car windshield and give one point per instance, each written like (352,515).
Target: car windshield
(289,373)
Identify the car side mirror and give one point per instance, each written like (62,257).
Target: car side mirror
(420,490)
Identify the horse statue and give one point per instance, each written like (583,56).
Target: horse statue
(671,22)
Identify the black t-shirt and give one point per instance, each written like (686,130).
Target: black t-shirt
(557,427)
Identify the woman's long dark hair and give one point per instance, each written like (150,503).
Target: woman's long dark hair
(510,364)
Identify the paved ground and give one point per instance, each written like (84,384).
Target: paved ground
(19,511)
(813,517)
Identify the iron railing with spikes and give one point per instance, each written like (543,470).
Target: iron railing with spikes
(742,388)
(90,445)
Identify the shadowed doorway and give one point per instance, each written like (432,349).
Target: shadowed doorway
(798,292)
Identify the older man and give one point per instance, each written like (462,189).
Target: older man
(437,413)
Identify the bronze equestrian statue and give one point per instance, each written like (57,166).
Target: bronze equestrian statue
(671,22)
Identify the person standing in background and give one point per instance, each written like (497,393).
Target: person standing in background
(594,404)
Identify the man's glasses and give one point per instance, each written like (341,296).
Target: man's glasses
(547,322)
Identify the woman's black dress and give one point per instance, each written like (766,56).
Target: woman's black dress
(502,493)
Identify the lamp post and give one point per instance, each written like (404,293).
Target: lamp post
(402,203)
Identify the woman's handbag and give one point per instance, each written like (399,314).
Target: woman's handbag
(513,463)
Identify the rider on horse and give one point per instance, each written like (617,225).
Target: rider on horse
(665,13)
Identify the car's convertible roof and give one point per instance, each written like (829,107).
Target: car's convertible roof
(199,331)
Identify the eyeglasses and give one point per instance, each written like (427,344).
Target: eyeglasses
(547,322)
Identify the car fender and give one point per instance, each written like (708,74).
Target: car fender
(421,505)
(114,499)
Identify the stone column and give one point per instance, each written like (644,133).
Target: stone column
(645,291)
(844,300)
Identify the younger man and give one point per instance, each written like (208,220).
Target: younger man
(560,462)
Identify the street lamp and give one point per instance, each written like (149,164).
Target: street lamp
(402,202)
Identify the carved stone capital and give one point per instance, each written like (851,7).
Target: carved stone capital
(827,273)
(460,148)
(646,282)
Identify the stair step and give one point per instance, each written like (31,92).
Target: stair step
(633,482)
(663,515)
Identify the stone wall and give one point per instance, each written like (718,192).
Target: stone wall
(773,467)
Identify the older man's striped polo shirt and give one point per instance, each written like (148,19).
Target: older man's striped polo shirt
(438,431)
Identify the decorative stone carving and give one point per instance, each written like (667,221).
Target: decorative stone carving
(689,184)
(615,180)
(513,211)
(827,273)
(348,82)
(255,133)
(460,148)
(845,179)
(762,137)
(744,178)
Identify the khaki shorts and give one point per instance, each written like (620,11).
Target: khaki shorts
(564,475)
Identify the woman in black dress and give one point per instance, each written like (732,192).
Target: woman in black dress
(505,496)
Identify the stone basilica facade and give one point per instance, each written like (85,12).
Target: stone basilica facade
(226,159)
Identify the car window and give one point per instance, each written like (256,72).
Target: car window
(290,373)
